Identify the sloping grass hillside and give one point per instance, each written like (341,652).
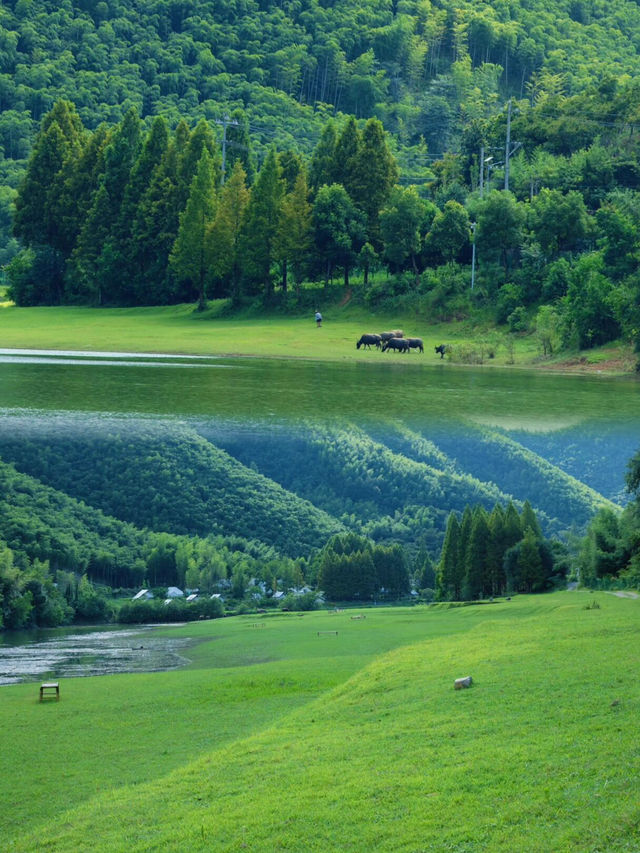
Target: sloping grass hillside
(539,755)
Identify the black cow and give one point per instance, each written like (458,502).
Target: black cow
(415,343)
(367,341)
(399,344)
(442,349)
(396,333)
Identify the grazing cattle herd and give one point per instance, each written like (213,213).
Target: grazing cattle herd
(395,340)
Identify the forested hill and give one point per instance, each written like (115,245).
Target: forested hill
(133,500)
(166,478)
(421,66)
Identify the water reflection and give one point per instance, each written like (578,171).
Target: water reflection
(72,653)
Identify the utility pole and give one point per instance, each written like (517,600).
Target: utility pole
(226,121)
(507,147)
(481,170)
(473,254)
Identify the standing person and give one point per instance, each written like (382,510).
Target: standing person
(318,319)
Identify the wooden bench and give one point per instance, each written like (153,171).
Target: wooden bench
(50,690)
(327,633)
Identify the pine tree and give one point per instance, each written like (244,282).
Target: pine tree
(530,570)
(202,138)
(293,238)
(188,256)
(153,234)
(448,574)
(392,573)
(321,169)
(512,526)
(529,520)
(97,257)
(374,175)
(225,234)
(496,551)
(238,148)
(477,579)
(263,216)
(346,159)
(37,219)
(82,179)
(132,255)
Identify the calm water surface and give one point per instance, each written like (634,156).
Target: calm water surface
(243,388)
(72,652)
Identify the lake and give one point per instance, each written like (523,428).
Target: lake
(242,388)
(72,652)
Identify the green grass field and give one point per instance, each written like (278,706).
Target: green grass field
(281,738)
(180,329)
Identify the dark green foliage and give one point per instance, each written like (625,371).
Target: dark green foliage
(177,610)
(167,478)
(487,555)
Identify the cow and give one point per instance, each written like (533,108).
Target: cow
(367,341)
(399,344)
(415,343)
(395,333)
(442,349)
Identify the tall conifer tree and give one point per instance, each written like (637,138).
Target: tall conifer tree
(188,256)
(263,217)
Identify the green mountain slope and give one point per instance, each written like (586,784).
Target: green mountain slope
(351,475)
(290,64)
(164,477)
(493,457)
(39,522)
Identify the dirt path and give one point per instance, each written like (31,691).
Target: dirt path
(624,593)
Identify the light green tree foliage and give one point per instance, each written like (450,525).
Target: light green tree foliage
(188,256)
(558,222)
(604,552)
(499,222)
(322,165)
(619,241)
(375,172)
(400,223)
(450,231)
(449,572)
(589,314)
(294,238)
(339,229)
(547,327)
(224,236)
(263,218)
(477,579)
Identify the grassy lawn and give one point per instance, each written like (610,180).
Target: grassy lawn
(281,738)
(179,329)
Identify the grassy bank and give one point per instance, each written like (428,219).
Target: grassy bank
(180,329)
(279,737)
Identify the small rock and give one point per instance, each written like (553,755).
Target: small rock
(460,683)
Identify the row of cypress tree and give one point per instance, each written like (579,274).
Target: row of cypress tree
(488,554)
